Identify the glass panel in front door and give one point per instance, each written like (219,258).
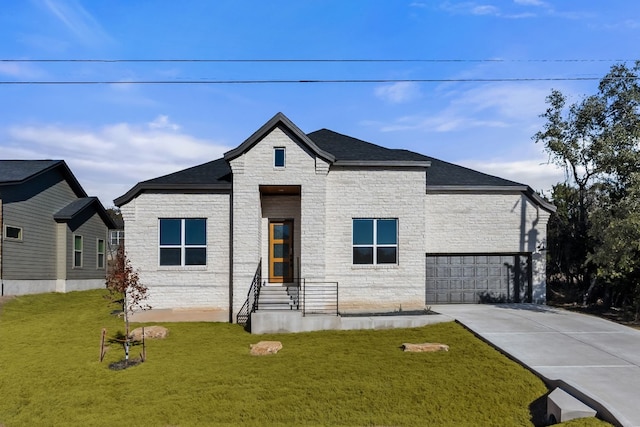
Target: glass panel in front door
(281,251)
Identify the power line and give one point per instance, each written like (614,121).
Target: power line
(293,81)
(303,81)
(311,60)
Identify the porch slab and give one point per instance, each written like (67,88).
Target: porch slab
(275,322)
(180,315)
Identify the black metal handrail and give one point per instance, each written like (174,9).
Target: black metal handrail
(319,297)
(251,304)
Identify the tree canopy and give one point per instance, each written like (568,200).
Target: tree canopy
(594,240)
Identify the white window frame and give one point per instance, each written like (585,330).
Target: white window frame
(284,157)
(183,246)
(119,234)
(103,253)
(17,239)
(81,251)
(375,245)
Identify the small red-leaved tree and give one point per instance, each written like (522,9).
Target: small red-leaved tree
(125,288)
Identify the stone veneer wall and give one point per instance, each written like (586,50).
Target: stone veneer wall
(377,193)
(189,287)
(489,223)
(255,168)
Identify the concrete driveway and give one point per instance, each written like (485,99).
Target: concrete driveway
(594,359)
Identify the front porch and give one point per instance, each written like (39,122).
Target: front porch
(299,296)
(305,306)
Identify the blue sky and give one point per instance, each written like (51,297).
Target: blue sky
(115,134)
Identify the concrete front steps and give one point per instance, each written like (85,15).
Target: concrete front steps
(278,297)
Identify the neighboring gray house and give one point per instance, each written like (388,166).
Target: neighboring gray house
(366,227)
(53,235)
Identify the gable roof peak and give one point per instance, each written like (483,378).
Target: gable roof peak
(278,120)
(16,172)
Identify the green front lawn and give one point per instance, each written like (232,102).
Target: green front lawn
(203,375)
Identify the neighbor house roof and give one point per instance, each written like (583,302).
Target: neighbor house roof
(338,150)
(14,172)
(78,206)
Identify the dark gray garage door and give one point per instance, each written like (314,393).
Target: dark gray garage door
(464,278)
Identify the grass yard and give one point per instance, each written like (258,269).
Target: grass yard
(203,375)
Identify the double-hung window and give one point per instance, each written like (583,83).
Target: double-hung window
(116,237)
(100,253)
(183,241)
(77,251)
(375,241)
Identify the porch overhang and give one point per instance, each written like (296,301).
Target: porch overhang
(280,190)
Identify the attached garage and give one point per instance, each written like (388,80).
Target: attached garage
(474,278)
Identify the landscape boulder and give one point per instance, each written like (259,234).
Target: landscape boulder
(153,332)
(265,347)
(425,347)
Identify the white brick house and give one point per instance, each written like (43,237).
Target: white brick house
(389,229)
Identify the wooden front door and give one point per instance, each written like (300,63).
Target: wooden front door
(281,251)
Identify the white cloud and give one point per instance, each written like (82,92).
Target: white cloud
(162,122)
(108,161)
(537,173)
(399,92)
(509,100)
(446,121)
(538,3)
(489,106)
(78,21)
(506,12)
(485,10)
(19,70)
(467,7)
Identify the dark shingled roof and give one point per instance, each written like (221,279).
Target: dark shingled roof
(72,209)
(345,147)
(215,175)
(440,173)
(80,205)
(347,151)
(215,172)
(16,171)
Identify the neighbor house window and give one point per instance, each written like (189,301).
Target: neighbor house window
(375,241)
(116,237)
(12,232)
(100,253)
(279,157)
(183,241)
(77,251)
